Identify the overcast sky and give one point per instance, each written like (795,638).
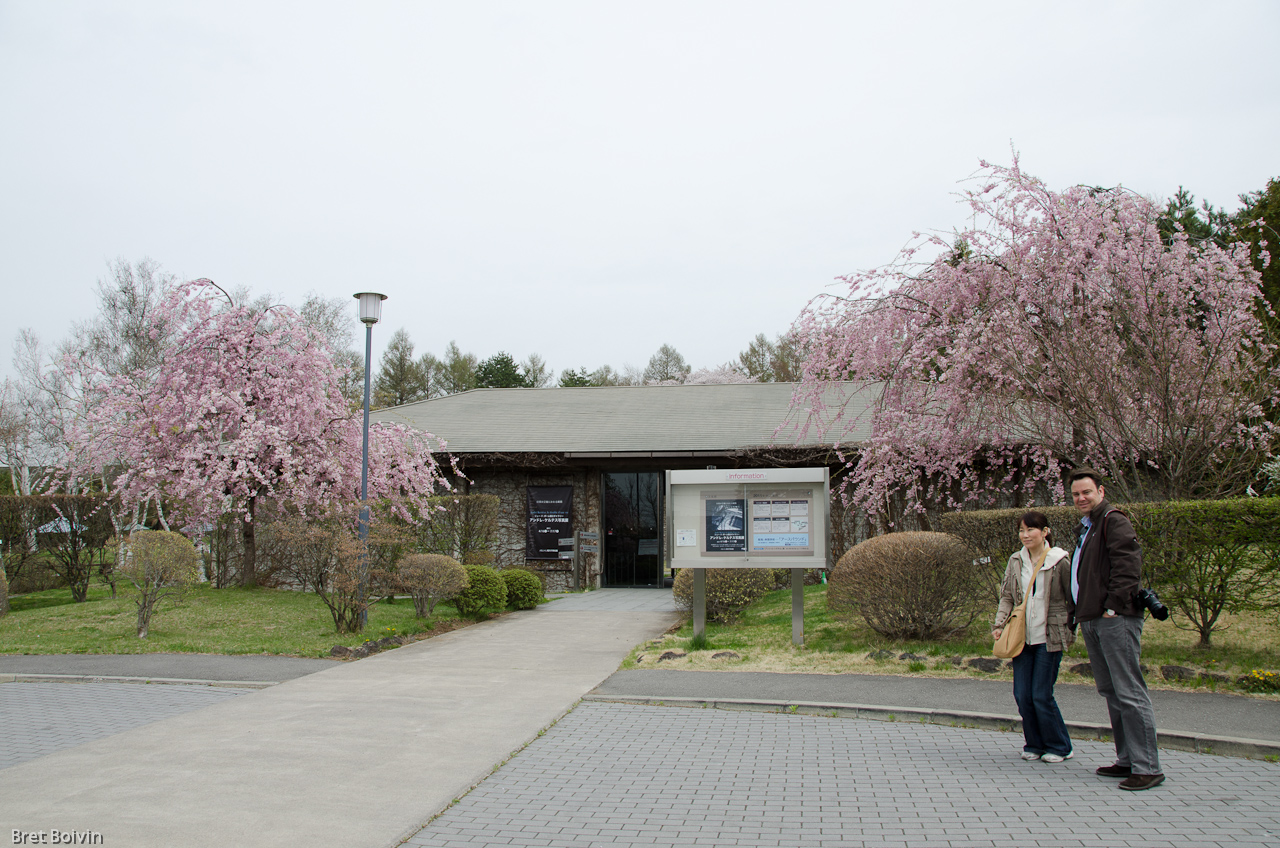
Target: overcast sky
(583,180)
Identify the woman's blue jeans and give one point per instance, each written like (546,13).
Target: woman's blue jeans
(1035,670)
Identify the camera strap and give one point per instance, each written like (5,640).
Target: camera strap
(1104,542)
(1103,522)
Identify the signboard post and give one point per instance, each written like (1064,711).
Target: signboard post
(587,543)
(749,518)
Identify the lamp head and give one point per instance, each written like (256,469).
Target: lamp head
(370,307)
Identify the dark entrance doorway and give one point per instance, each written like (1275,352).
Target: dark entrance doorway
(633,529)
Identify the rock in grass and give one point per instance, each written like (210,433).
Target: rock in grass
(987,664)
(1082,669)
(1178,672)
(881,654)
(726,655)
(340,651)
(671,655)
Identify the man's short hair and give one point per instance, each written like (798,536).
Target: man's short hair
(1083,472)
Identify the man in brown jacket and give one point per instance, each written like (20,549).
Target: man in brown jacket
(1106,571)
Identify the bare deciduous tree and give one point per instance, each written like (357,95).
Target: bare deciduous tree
(666,366)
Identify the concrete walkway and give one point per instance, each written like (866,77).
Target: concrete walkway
(363,754)
(359,754)
(617,600)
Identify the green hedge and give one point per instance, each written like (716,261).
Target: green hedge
(993,535)
(1210,557)
(1203,557)
(485,590)
(524,589)
(71,554)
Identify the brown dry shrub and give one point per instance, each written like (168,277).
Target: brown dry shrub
(326,556)
(908,585)
(782,577)
(729,590)
(458,526)
(480,557)
(430,579)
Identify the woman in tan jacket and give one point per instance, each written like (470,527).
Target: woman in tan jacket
(1050,631)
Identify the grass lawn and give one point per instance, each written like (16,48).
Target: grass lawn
(207,621)
(840,645)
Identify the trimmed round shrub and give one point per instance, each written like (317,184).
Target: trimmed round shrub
(729,590)
(908,585)
(524,589)
(485,590)
(429,579)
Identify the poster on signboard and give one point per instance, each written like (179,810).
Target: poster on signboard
(550,520)
(726,523)
(780,521)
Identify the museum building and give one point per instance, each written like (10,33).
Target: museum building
(577,462)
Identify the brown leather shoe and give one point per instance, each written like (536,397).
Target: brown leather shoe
(1114,771)
(1138,782)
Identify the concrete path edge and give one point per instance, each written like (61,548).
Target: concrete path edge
(168,681)
(411,831)
(1200,743)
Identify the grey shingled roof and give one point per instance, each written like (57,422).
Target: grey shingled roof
(618,419)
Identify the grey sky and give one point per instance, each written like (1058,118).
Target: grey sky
(583,180)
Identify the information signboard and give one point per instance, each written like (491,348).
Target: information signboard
(773,517)
(756,518)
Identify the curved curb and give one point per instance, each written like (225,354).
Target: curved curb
(1178,740)
(166,681)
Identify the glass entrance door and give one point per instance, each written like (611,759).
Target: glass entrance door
(633,529)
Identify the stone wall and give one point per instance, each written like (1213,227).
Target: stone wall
(510,487)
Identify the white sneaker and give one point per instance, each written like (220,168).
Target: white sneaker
(1027,755)
(1055,758)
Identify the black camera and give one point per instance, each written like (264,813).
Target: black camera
(1151,601)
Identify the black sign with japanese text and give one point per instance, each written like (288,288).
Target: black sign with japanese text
(726,525)
(550,520)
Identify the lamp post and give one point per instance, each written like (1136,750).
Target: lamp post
(370,314)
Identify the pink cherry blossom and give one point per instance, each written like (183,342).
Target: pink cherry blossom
(1056,330)
(244,410)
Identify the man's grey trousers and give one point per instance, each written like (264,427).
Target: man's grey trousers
(1115,650)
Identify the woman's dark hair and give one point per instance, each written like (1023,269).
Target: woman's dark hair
(1037,521)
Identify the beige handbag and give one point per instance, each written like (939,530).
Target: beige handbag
(1014,635)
